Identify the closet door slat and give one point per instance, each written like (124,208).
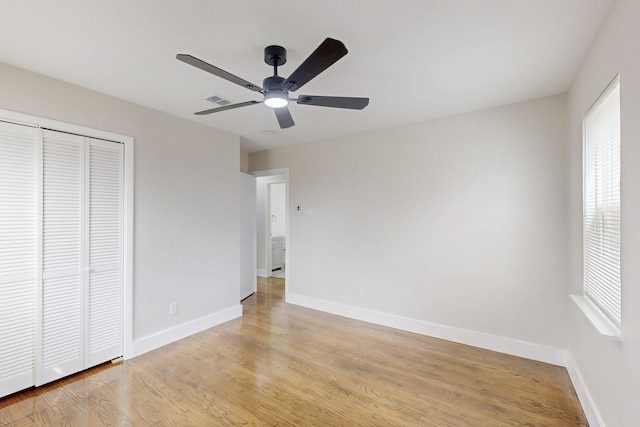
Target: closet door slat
(18,215)
(105,251)
(62,273)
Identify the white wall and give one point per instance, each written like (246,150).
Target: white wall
(186,199)
(458,221)
(244,161)
(610,370)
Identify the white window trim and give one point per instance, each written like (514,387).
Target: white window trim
(599,320)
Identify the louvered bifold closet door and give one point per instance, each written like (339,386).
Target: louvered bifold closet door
(62,273)
(105,251)
(18,216)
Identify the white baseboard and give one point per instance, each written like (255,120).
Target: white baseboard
(184,330)
(588,406)
(262,272)
(527,350)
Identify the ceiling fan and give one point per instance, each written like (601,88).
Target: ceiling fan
(276,89)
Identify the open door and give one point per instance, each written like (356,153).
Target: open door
(248,263)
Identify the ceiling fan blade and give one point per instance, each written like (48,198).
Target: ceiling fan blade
(284,117)
(325,55)
(198,63)
(227,107)
(334,101)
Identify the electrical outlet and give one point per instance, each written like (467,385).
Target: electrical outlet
(361,292)
(173,308)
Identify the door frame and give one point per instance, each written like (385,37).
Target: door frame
(127,213)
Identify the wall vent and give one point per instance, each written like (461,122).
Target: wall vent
(218,100)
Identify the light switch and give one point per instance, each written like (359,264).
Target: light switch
(310,213)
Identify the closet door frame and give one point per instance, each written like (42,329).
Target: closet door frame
(127,214)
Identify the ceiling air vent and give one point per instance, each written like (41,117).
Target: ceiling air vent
(218,100)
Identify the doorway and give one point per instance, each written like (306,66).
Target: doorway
(272,223)
(277,223)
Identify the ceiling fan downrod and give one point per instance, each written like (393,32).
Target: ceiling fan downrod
(276,56)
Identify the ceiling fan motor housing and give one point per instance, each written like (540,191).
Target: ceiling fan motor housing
(273,83)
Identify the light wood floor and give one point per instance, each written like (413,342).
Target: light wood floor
(286,365)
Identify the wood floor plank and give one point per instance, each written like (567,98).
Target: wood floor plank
(285,365)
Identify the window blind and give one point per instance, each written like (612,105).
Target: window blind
(602,283)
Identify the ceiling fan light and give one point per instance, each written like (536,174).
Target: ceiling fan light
(275,100)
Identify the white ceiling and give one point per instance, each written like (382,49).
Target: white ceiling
(415,59)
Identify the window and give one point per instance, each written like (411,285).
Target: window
(601,226)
